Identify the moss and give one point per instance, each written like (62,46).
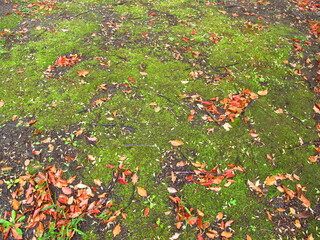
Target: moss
(141,132)
(9,21)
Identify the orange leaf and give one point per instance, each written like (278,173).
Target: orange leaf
(116,231)
(219,216)
(142,192)
(270,181)
(305,201)
(176,143)
(226,234)
(83,73)
(248,237)
(1,103)
(15,204)
(146,212)
(263,93)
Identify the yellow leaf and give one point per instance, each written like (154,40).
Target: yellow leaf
(117,230)
(142,192)
(176,143)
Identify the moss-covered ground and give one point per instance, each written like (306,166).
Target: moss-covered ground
(149,64)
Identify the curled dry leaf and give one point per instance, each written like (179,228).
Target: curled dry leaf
(176,143)
(142,192)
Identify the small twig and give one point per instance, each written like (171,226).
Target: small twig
(305,144)
(130,200)
(229,65)
(211,115)
(131,145)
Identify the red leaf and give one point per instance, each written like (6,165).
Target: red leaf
(122,180)
(63,199)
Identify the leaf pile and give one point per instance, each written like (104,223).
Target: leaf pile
(219,229)
(291,209)
(54,207)
(225,110)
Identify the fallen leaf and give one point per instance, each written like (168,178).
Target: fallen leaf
(305,201)
(15,234)
(172,190)
(1,103)
(122,180)
(79,132)
(263,93)
(270,181)
(117,230)
(227,126)
(254,187)
(66,190)
(92,139)
(97,182)
(134,178)
(146,211)
(142,192)
(157,109)
(219,216)
(83,73)
(15,204)
(248,237)
(226,234)
(176,143)
(143,73)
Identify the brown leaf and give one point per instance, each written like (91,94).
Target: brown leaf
(32,122)
(270,181)
(212,234)
(83,73)
(263,93)
(134,178)
(316,108)
(79,132)
(219,216)
(15,204)
(117,230)
(142,192)
(254,187)
(226,234)
(176,143)
(97,182)
(305,201)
